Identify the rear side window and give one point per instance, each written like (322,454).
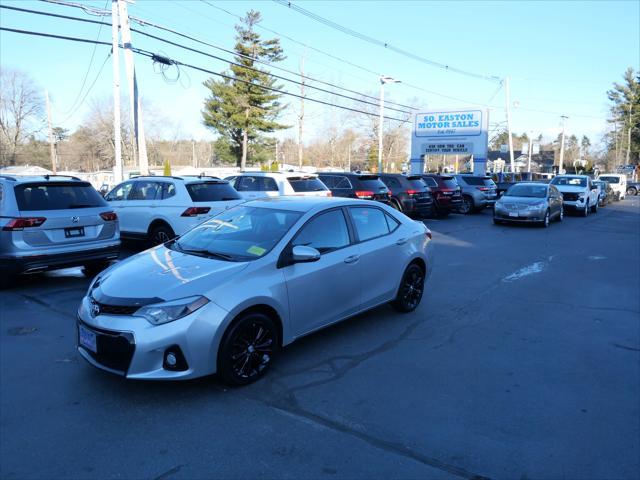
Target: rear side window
(479,181)
(145,190)
(256,184)
(369,222)
(417,184)
(611,179)
(57,196)
(306,184)
(168,190)
(391,182)
(430,181)
(211,192)
(450,182)
(121,192)
(326,232)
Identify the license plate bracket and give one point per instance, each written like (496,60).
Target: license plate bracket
(74,232)
(87,339)
(513,214)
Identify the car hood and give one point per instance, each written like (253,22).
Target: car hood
(163,274)
(527,200)
(571,189)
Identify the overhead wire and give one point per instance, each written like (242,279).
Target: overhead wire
(380,43)
(156,58)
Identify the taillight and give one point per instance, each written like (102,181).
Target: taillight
(20,223)
(329,194)
(364,194)
(412,192)
(483,189)
(109,216)
(195,211)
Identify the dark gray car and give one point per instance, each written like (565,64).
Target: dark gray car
(529,202)
(54,222)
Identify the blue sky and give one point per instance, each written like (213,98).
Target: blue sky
(561,57)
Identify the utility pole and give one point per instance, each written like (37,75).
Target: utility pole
(301,116)
(561,166)
(383,80)
(134,98)
(507,101)
(51,143)
(530,151)
(117,140)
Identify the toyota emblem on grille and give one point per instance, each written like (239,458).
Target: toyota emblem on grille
(75,219)
(95,309)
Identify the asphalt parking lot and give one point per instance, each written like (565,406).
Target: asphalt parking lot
(522,362)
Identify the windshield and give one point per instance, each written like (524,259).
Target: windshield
(238,234)
(307,184)
(611,179)
(570,181)
(57,196)
(531,191)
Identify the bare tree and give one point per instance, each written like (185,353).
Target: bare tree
(21,111)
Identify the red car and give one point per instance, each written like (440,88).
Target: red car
(447,195)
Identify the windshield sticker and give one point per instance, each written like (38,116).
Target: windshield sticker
(257,251)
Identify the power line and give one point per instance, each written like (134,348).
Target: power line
(141,32)
(380,43)
(161,59)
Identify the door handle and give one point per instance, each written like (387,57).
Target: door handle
(352,259)
(402,241)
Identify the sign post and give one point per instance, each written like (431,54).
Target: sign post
(450,132)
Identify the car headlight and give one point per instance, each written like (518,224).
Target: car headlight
(536,206)
(166,312)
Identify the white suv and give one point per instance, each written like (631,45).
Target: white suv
(273,184)
(156,209)
(579,193)
(618,183)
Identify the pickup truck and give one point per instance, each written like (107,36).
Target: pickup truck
(579,193)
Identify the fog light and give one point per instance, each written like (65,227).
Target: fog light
(171,359)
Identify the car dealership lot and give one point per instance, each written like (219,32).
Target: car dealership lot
(521,362)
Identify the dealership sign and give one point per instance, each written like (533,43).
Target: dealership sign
(450,132)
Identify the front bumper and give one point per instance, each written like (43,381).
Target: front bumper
(573,205)
(43,262)
(522,216)
(131,347)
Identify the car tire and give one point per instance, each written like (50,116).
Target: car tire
(410,290)
(467,206)
(161,233)
(594,208)
(91,269)
(585,211)
(547,219)
(496,221)
(239,367)
(632,191)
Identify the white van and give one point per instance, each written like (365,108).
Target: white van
(618,183)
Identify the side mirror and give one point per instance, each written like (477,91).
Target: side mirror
(304,254)
(104,190)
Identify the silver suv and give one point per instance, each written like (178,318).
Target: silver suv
(54,222)
(478,192)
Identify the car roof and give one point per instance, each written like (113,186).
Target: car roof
(304,204)
(41,178)
(283,174)
(544,184)
(185,178)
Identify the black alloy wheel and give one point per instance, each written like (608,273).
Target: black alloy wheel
(411,289)
(161,234)
(247,349)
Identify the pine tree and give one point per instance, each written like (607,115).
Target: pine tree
(242,107)
(625,114)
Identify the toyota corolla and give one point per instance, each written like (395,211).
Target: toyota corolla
(228,295)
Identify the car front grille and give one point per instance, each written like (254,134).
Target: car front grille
(115,349)
(570,196)
(116,309)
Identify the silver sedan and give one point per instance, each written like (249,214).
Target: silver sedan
(226,296)
(529,202)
